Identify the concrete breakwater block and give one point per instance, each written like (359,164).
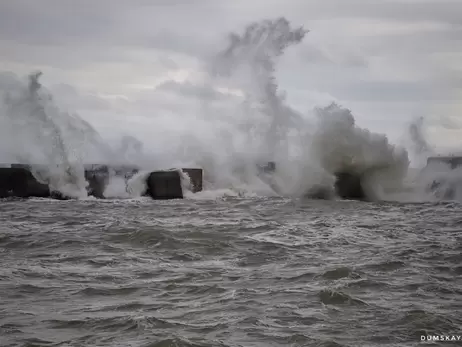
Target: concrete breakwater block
(164,185)
(98,177)
(348,186)
(267,168)
(19,182)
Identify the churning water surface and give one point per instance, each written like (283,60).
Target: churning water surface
(232,271)
(228,272)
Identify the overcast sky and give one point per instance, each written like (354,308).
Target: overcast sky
(386,60)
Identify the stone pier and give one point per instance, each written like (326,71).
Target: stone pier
(17,180)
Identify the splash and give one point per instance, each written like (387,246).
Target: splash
(310,151)
(438,177)
(343,147)
(120,187)
(32,117)
(254,53)
(255,127)
(420,146)
(53,142)
(308,161)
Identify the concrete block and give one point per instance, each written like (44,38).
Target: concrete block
(97,177)
(163,185)
(196,176)
(267,168)
(348,186)
(19,182)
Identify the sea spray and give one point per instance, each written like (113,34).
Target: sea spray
(131,149)
(136,185)
(420,146)
(327,143)
(309,150)
(66,171)
(343,147)
(256,51)
(432,180)
(33,117)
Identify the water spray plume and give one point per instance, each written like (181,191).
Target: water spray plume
(257,49)
(310,151)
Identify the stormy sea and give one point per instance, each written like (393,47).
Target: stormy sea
(254,259)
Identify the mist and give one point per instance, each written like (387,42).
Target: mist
(242,119)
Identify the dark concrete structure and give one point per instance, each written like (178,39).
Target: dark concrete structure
(269,167)
(19,182)
(97,177)
(348,186)
(164,185)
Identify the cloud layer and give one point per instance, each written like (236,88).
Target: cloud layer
(127,65)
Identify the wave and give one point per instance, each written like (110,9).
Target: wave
(313,152)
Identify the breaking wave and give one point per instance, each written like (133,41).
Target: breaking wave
(310,150)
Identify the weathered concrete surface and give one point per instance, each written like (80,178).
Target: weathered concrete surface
(196,176)
(348,186)
(19,182)
(97,177)
(164,185)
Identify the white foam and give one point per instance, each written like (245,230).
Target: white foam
(255,125)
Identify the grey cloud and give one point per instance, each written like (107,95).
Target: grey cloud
(315,55)
(70,98)
(184,43)
(53,22)
(115,22)
(85,37)
(426,41)
(386,92)
(8,79)
(443,11)
(190,90)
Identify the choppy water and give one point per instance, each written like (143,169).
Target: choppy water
(233,272)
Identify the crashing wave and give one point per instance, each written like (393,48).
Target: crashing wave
(322,156)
